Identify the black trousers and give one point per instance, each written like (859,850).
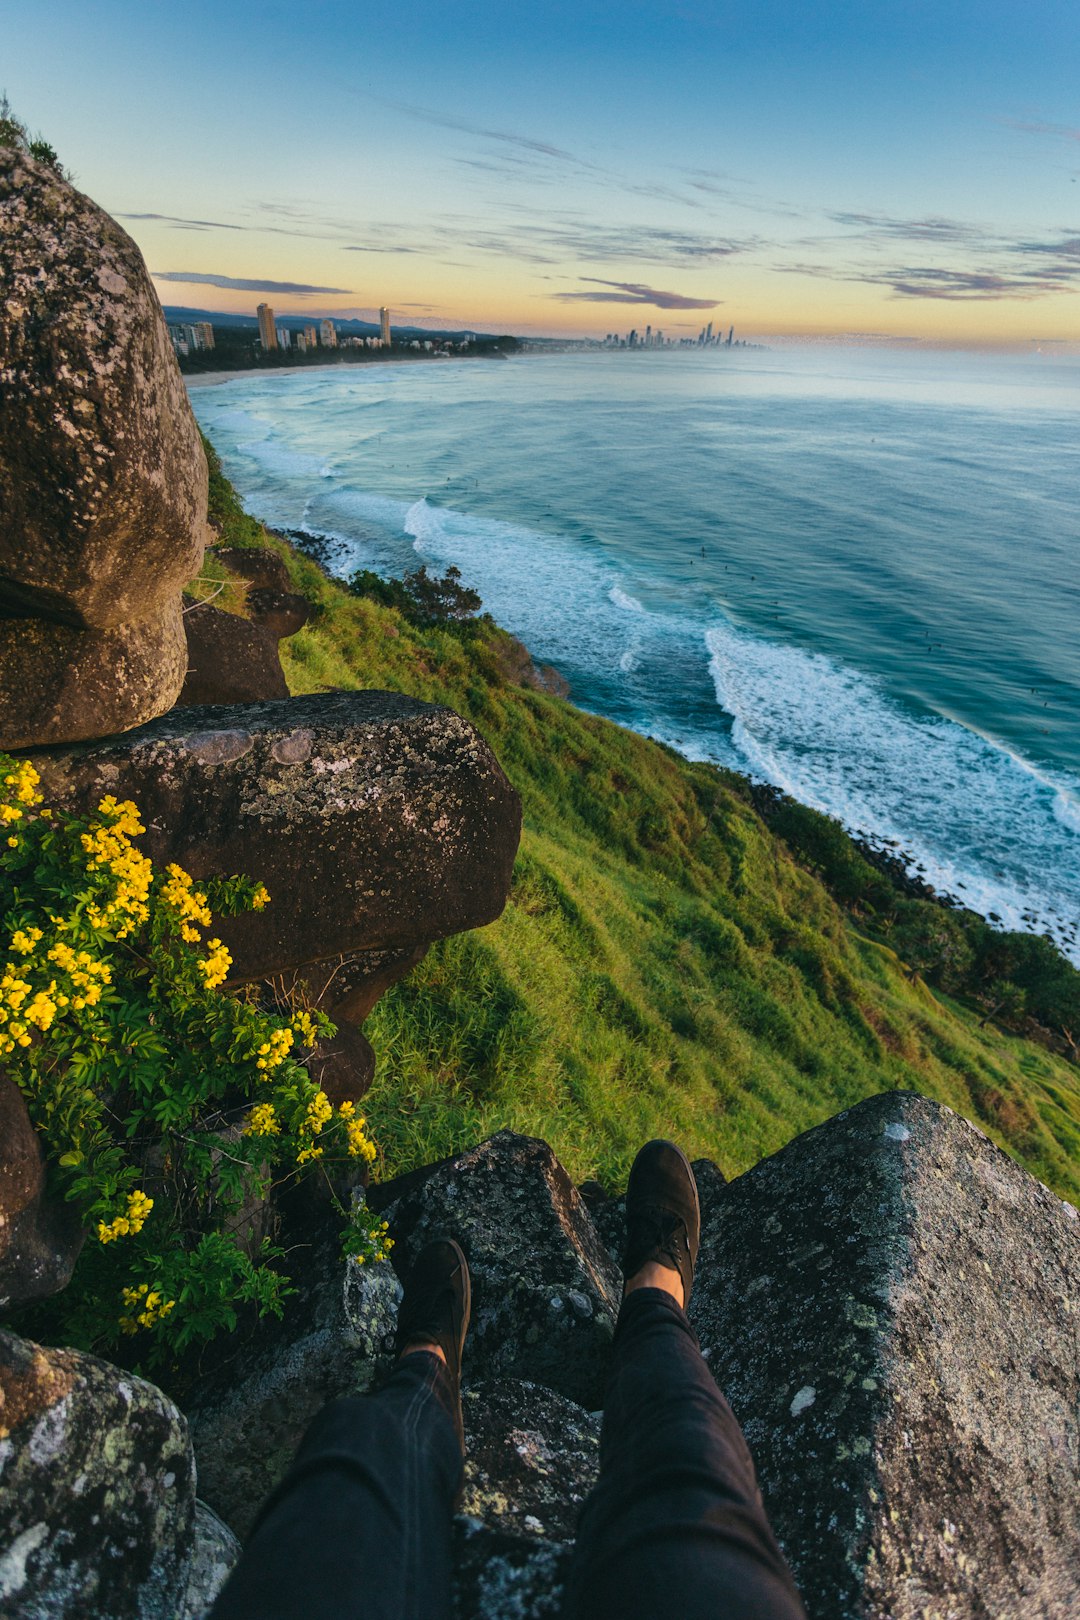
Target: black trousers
(360,1527)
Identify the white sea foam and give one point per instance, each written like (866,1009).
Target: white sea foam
(623,599)
(983,825)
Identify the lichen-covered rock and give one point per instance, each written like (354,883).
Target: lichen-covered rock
(40,1237)
(214,1554)
(229,659)
(532,1459)
(97,1490)
(376,822)
(545,1291)
(335,1337)
(59,684)
(102,475)
(892,1306)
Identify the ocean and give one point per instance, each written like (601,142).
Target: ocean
(851,572)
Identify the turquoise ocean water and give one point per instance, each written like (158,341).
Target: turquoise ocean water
(852,572)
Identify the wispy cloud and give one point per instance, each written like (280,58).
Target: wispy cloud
(633,292)
(185,224)
(886,227)
(1066,132)
(298,289)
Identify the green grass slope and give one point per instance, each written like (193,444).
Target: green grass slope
(663,967)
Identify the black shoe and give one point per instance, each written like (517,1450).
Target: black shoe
(435,1309)
(663,1216)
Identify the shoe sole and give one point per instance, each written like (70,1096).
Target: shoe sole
(466,1296)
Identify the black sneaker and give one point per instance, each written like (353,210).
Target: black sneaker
(435,1309)
(663,1216)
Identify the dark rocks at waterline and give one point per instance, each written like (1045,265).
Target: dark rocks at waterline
(103,481)
(376,822)
(40,1236)
(545,1290)
(60,684)
(97,1490)
(891,1306)
(230,659)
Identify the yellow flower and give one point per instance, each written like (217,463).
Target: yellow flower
(260,898)
(215,967)
(262,1121)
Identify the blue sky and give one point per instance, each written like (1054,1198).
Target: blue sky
(902,169)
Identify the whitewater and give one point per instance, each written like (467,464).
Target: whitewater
(850,573)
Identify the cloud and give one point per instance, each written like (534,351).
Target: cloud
(186,224)
(1067,132)
(298,289)
(931,281)
(891,228)
(633,292)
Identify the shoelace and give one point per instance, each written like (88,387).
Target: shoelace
(665,1234)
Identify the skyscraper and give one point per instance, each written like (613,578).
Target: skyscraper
(384,327)
(328,333)
(267,334)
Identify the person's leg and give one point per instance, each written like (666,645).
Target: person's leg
(675,1524)
(361,1524)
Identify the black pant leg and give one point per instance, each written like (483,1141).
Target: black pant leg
(361,1524)
(675,1525)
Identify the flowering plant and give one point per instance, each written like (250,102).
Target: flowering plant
(168,1106)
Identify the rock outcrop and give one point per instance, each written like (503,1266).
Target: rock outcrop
(103,480)
(40,1237)
(97,1490)
(544,1299)
(230,659)
(891,1306)
(890,1303)
(376,822)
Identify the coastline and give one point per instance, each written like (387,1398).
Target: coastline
(214,379)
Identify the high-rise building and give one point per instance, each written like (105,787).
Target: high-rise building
(267,334)
(204,333)
(284,337)
(328,333)
(384,327)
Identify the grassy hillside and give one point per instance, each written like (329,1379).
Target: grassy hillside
(664,965)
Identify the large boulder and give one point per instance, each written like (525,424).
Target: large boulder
(891,1306)
(97,1490)
(103,481)
(40,1237)
(229,659)
(545,1291)
(376,822)
(59,684)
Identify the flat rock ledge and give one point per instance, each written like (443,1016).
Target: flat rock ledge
(377,822)
(890,1303)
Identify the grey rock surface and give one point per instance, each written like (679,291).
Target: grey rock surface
(215,1552)
(545,1290)
(376,822)
(103,480)
(97,1490)
(532,1459)
(40,1236)
(59,684)
(248,1418)
(892,1306)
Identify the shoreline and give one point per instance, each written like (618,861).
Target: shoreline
(214,379)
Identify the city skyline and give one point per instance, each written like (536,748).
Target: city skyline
(910,174)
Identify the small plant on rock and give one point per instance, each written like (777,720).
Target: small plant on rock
(169,1108)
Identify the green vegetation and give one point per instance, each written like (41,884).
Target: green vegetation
(668,963)
(168,1109)
(13,132)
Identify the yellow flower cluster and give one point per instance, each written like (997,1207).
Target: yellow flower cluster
(304,1027)
(385,1243)
(272,1053)
(180,892)
(18,792)
(215,967)
(148,1305)
(87,976)
(262,1121)
(139,1207)
(261,897)
(360,1144)
(108,846)
(319,1110)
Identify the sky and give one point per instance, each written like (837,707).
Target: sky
(876,169)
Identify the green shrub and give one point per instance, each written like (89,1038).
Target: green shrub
(167,1107)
